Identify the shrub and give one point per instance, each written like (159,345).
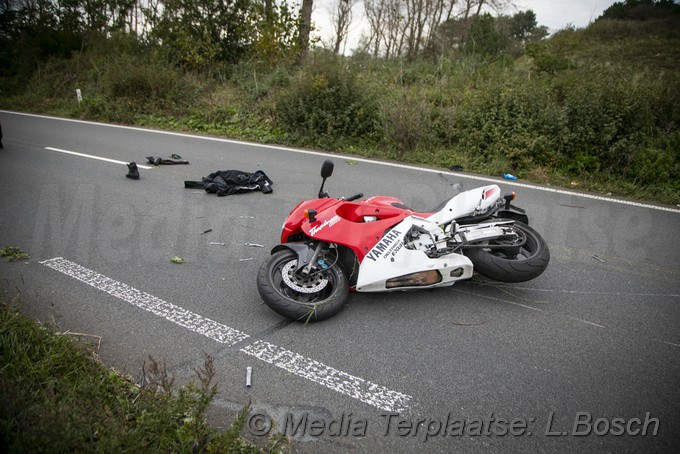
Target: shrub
(515,120)
(326,103)
(406,123)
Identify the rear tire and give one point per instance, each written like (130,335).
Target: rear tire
(512,264)
(301,298)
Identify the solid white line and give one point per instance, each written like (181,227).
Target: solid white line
(197,323)
(371,161)
(75,153)
(336,380)
(344,383)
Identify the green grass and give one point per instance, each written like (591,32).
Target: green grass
(57,396)
(13,254)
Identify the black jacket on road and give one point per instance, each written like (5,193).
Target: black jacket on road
(227,182)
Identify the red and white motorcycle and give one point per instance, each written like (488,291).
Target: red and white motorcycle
(331,246)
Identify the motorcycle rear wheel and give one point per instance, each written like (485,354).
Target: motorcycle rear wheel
(512,264)
(311,298)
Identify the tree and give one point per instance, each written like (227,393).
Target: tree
(642,10)
(277,28)
(404,27)
(199,33)
(484,38)
(305,29)
(342,18)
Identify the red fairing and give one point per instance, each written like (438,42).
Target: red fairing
(357,225)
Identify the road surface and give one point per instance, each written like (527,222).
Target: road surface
(584,358)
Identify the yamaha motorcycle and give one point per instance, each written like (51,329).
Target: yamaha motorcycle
(331,246)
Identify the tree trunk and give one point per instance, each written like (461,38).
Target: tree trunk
(305,29)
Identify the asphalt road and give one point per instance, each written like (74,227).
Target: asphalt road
(585,358)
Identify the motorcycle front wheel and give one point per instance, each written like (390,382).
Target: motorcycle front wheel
(508,262)
(311,298)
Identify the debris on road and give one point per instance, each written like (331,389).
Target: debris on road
(177,260)
(155,160)
(599,259)
(206,231)
(228,182)
(249,376)
(133,172)
(252,245)
(13,254)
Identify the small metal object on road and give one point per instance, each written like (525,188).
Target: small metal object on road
(218,244)
(600,259)
(207,231)
(253,245)
(249,376)
(245,260)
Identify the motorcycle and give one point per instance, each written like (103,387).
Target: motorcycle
(331,246)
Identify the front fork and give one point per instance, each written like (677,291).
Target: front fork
(308,267)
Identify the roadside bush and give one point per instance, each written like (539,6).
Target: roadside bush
(406,124)
(326,103)
(610,115)
(134,88)
(515,121)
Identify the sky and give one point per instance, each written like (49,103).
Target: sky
(554,14)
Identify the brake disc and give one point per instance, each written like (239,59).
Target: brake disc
(312,283)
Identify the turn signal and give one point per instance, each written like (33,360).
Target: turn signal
(310,215)
(509,197)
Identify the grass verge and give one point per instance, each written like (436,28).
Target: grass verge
(57,396)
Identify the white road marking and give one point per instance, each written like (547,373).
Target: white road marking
(83,155)
(197,323)
(344,383)
(370,393)
(371,161)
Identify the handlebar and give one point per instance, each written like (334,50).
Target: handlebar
(354,197)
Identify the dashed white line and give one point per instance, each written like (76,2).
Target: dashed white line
(365,391)
(182,317)
(342,382)
(99,158)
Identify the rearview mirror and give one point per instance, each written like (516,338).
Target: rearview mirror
(327,169)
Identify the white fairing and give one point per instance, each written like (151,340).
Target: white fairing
(467,203)
(390,258)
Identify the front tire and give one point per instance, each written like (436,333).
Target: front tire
(311,298)
(512,263)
